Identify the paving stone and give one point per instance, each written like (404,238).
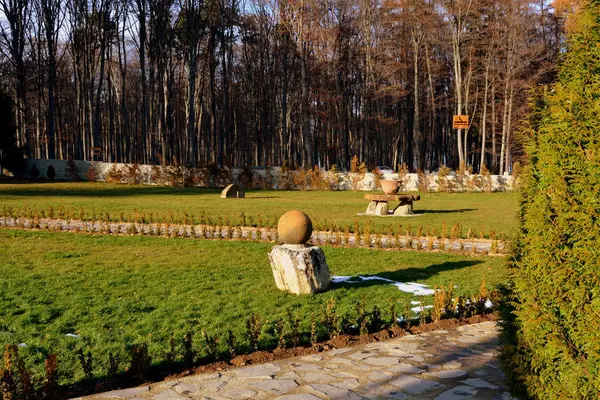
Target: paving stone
(404,345)
(414,385)
(404,368)
(339,360)
(238,393)
(215,385)
(304,396)
(481,372)
(410,338)
(449,373)
(169,395)
(379,393)
(375,346)
(479,383)
(276,386)
(289,375)
(124,393)
(311,358)
(416,358)
(382,361)
(337,352)
(343,374)
(468,339)
(505,396)
(458,393)
(335,392)
(399,353)
(380,376)
(432,367)
(204,377)
(318,377)
(304,367)
(258,372)
(361,355)
(187,389)
(347,384)
(452,365)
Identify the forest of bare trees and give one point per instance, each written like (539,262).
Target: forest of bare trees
(263,82)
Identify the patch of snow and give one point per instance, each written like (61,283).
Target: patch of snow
(414,288)
(489,304)
(418,309)
(415,303)
(22,344)
(340,279)
(408,287)
(72,335)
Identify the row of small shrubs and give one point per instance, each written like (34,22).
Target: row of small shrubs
(196,347)
(457,231)
(268,234)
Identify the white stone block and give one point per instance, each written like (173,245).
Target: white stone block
(300,269)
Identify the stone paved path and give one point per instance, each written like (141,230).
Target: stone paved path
(485,247)
(444,365)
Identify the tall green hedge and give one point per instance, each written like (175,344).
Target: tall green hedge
(552,336)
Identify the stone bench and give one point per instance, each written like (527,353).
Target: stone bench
(379,204)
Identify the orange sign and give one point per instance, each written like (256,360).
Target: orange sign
(460,122)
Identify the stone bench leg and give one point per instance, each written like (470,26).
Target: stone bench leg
(404,208)
(377,208)
(371,208)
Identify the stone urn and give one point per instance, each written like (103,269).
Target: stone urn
(390,186)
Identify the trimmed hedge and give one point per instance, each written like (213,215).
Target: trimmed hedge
(552,331)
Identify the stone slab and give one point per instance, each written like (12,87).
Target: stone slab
(458,393)
(279,386)
(404,368)
(238,393)
(169,395)
(397,197)
(479,383)
(414,385)
(449,373)
(335,392)
(263,371)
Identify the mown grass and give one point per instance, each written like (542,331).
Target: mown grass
(114,291)
(487,212)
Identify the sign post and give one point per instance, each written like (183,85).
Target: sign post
(460,122)
(96,153)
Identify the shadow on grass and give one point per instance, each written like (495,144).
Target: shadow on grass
(459,210)
(411,274)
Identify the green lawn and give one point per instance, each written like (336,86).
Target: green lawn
(117,290)
(476,211)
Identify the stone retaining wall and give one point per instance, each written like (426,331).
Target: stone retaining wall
(339,181)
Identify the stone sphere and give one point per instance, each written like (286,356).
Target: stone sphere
(294,227)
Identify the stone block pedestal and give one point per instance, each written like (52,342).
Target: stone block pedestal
(299,269)
(403,210)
